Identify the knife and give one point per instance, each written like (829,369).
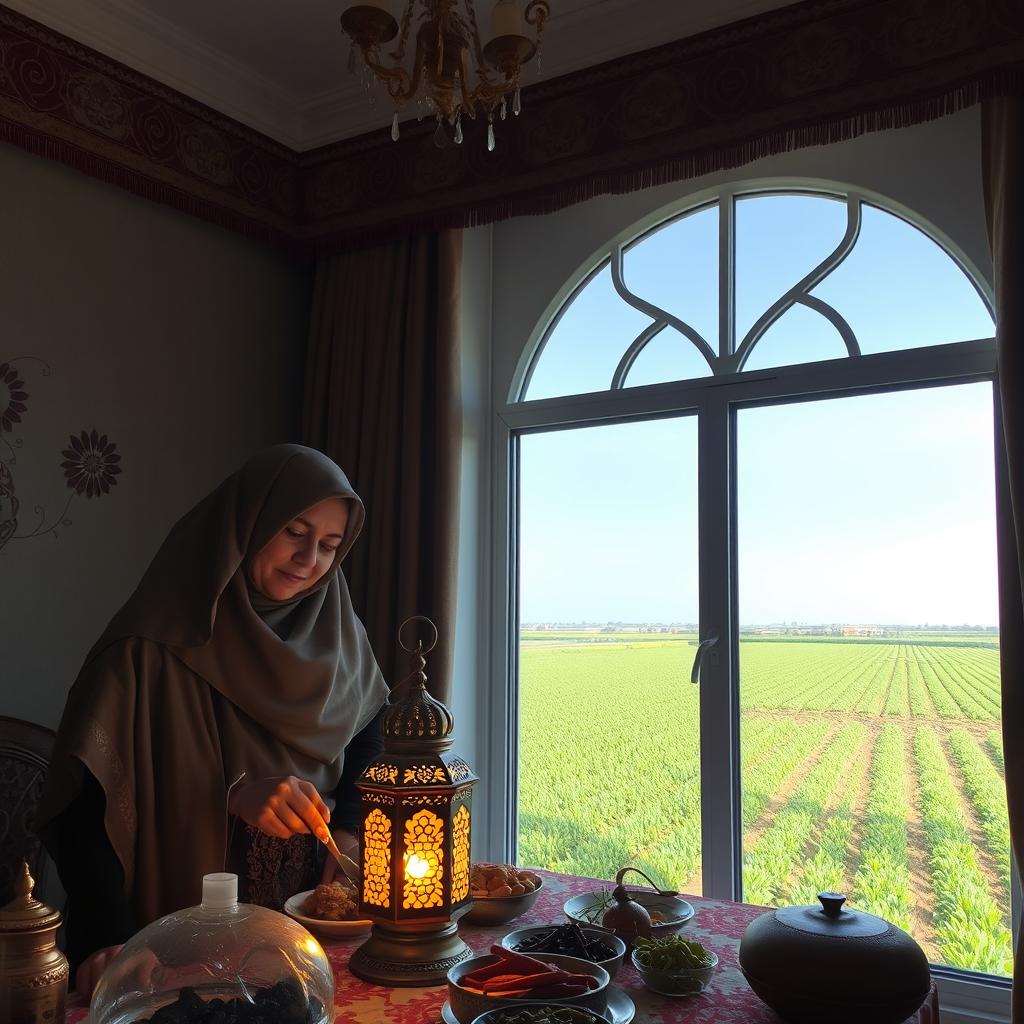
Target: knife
(347,865)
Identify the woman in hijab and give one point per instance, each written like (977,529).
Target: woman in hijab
(226,702)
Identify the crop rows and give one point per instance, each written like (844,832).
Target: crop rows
(988,794)
(767,867)
(951,697)
(761,787)
(968,923)
(674,851)
(825,870)
(845,747)
(622,705)
(898,703)
(882,882)
(994,742)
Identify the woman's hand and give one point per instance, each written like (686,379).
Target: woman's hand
(349,845)
(282,807)
(90,969)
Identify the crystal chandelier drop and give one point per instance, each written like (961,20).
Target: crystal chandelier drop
(453,74)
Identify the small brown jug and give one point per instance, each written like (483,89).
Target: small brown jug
(627,918)
(33,971)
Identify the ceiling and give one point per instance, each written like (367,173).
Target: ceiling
(280,66)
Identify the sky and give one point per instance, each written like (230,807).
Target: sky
(872,509)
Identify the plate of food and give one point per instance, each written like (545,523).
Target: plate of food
(329,910)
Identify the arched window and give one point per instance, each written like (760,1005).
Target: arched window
(754,444)
(777,279)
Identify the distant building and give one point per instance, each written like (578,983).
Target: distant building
(862,630)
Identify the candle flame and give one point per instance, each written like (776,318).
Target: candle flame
(416,866)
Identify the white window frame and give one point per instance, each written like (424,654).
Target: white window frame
(716,400)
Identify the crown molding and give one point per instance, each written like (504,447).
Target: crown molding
(157,48)
(798,76)
(576,37)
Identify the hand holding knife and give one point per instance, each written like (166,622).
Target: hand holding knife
(348,866)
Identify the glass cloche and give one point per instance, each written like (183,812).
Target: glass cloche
(223,962)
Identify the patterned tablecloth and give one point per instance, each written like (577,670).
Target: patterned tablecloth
(718,924)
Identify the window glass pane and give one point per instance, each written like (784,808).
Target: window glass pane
(586,344)
(869,665)
(800,335)
(779,240)
(609,739)
(669,355)
(676,268)
(898,289)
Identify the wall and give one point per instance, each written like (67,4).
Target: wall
(182,343)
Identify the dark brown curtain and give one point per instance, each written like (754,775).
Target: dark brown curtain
(1003,169)
(382,399)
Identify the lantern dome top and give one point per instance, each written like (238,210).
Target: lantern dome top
(417,717)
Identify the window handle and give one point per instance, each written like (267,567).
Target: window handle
(698,659)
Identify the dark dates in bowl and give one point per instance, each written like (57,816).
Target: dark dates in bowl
(542,1013)
(283,1003)
(593,944)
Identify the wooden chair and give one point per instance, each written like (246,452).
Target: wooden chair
(25,751)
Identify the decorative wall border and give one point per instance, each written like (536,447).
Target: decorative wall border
(809,74)
(66,102)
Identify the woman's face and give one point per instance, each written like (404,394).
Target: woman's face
(299,555)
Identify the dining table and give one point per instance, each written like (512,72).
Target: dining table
(717,924)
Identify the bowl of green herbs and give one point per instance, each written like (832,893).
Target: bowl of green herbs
(673,966)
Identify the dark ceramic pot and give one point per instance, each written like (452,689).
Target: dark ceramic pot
(812,964)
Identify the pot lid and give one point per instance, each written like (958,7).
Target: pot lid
(831,919)
(25,913)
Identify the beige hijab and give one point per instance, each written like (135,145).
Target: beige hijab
(196,680)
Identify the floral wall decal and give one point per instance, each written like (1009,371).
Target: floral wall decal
(12,397)
(91,462)
(8,505)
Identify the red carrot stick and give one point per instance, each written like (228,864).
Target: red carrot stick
(526,981)
(520,962)
(499,966)
(499,979)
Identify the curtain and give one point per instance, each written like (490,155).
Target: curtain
(1003,170)
(382,399)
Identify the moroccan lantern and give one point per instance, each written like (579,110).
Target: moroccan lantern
(414,840)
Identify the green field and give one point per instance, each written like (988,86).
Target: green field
(869,767)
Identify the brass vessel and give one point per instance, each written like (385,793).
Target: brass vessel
(33,971)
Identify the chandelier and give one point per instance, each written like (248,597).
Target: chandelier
(453,74)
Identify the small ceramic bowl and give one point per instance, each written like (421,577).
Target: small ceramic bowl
(500,909)
(676,981)
(467,1005)
(587,909)
(611,965)
(500,1015)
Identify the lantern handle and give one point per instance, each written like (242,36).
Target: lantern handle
(419,645)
